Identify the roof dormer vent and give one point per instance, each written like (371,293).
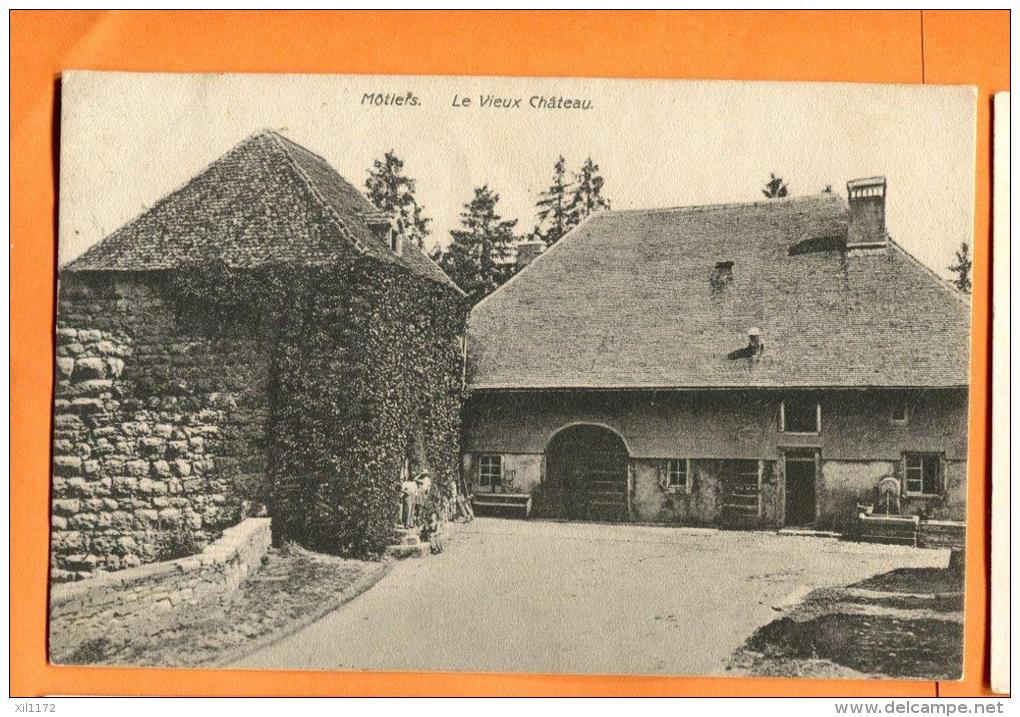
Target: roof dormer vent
(386,230)
(755,346)
(754,340)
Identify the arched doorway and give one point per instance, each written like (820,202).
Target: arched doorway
(586,470)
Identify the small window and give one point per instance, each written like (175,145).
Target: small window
(800,416)
(490,471)
(899,413)
(396,242)
(923,474)
(678,475)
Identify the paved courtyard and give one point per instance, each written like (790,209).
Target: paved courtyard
(535,596)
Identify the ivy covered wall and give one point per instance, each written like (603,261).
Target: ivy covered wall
(366,373)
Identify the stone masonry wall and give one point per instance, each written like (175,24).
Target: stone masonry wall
(146,600)
(703,505)
(158,439)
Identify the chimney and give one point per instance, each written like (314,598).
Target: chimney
(866,231)
(528,251)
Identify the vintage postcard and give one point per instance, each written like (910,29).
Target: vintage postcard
(512,375)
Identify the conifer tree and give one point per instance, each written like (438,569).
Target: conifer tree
(479,256)
(554,220)
(962,268)
(587,195)
(775,188)
(392,192)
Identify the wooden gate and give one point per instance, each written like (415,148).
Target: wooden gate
(606,484)
(741,493)
(588,467)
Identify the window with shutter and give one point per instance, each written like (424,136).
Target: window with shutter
(922,474)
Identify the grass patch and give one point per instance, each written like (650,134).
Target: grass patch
(908,626)
(292,585)
(928,581)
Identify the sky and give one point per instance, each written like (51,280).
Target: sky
(128,139)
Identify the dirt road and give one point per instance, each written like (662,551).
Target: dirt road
(517,596)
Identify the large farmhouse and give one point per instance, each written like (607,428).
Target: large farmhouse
(259,336)
(760,364)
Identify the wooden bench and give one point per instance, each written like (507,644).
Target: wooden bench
(499,502)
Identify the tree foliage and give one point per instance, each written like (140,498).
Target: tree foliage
(554,219)
(962,268)
(479,258)
(587,194)
(392,192)
(775,188)
(365,374)
(569,199)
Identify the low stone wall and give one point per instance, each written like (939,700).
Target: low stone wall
(143,601)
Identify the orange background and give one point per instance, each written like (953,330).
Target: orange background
(941,47)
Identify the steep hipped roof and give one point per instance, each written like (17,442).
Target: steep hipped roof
(266,200)
(634,299)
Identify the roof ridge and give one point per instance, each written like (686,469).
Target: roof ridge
(661,210)
(285,145)
(724,205)
(278,141)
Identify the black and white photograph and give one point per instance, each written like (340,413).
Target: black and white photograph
(512,375)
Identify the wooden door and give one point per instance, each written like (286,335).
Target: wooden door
(586,466)
(801,470)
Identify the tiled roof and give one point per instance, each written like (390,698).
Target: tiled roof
(634,299)
(266,200)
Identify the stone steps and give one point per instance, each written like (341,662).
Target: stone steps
(406,544)
(406,536)
(402,552)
